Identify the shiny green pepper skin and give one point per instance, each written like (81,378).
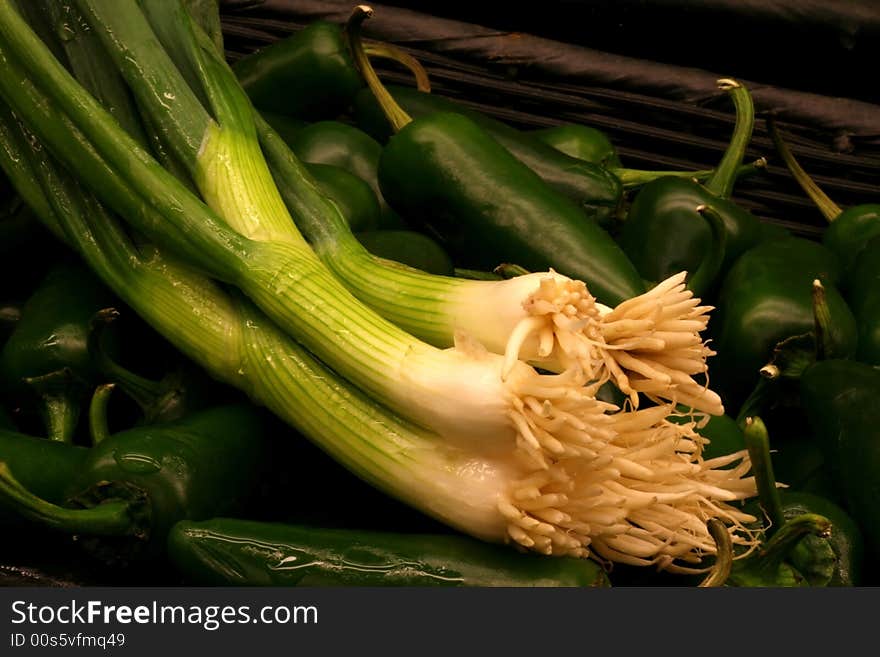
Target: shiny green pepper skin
(765,298)
(846,539)
(206,463)
(863,294)
(409,248)
(595,190)
(486,207)
(664,234)
(851,230)
(840,401)
(53,330)
(229,552)
(309,75)
(347,147)
(45,363)
(44,467)
(581,142)
(355,199)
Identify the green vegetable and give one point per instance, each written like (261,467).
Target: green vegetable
(581,142)
(854,236)
(664,233)
(309,75)
(45,362)
(409,248)
(128,490)
(226,552)
(462,477)
(343,145)
(839,398)
(767,298)
(354,199)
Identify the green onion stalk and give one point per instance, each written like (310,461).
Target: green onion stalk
(460,392)
(636,489)
(651,345)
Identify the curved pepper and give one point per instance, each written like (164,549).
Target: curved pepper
(129,489)
(597,190)
(356,201)
(484,206)
(47,352)
(581,142)
(766,298)
(854,235)
(409,248)
(343,145)
(664,234)
(863,294)
(848,230)
(229,552)
(310,74)
(840,400)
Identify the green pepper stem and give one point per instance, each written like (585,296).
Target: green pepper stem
(510,270)
(821,321)
(143,391)
(829,209)
(723,555)
(722,180)
(758,444)
(99,428)
(395,114)
(392,52)
(108,519)
(780,545)
(632,178)
(709,267)
(60,393)
(476,275)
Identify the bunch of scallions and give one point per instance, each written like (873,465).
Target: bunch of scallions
(475,401)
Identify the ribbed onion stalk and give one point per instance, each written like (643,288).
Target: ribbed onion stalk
(460,392)
(650,344)
(642,496)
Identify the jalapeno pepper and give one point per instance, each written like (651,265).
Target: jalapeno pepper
(231,552)
(343,145)
(409,248)
(854,235)
(581,142)
(355,199)
(486,207)
(766,298)
(310,75)
(850,229)
(46,357)
(840,400)
(664,233)
(128,490)
(863,294)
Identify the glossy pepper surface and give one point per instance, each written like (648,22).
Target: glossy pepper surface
(46,357)
(242,553)
(347,147)
(309,75)
(863,294)
(840,400)
(594,189)
(848,230)
(665,234)
(355,199)
(130,488)
(767,297)
(581,142)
